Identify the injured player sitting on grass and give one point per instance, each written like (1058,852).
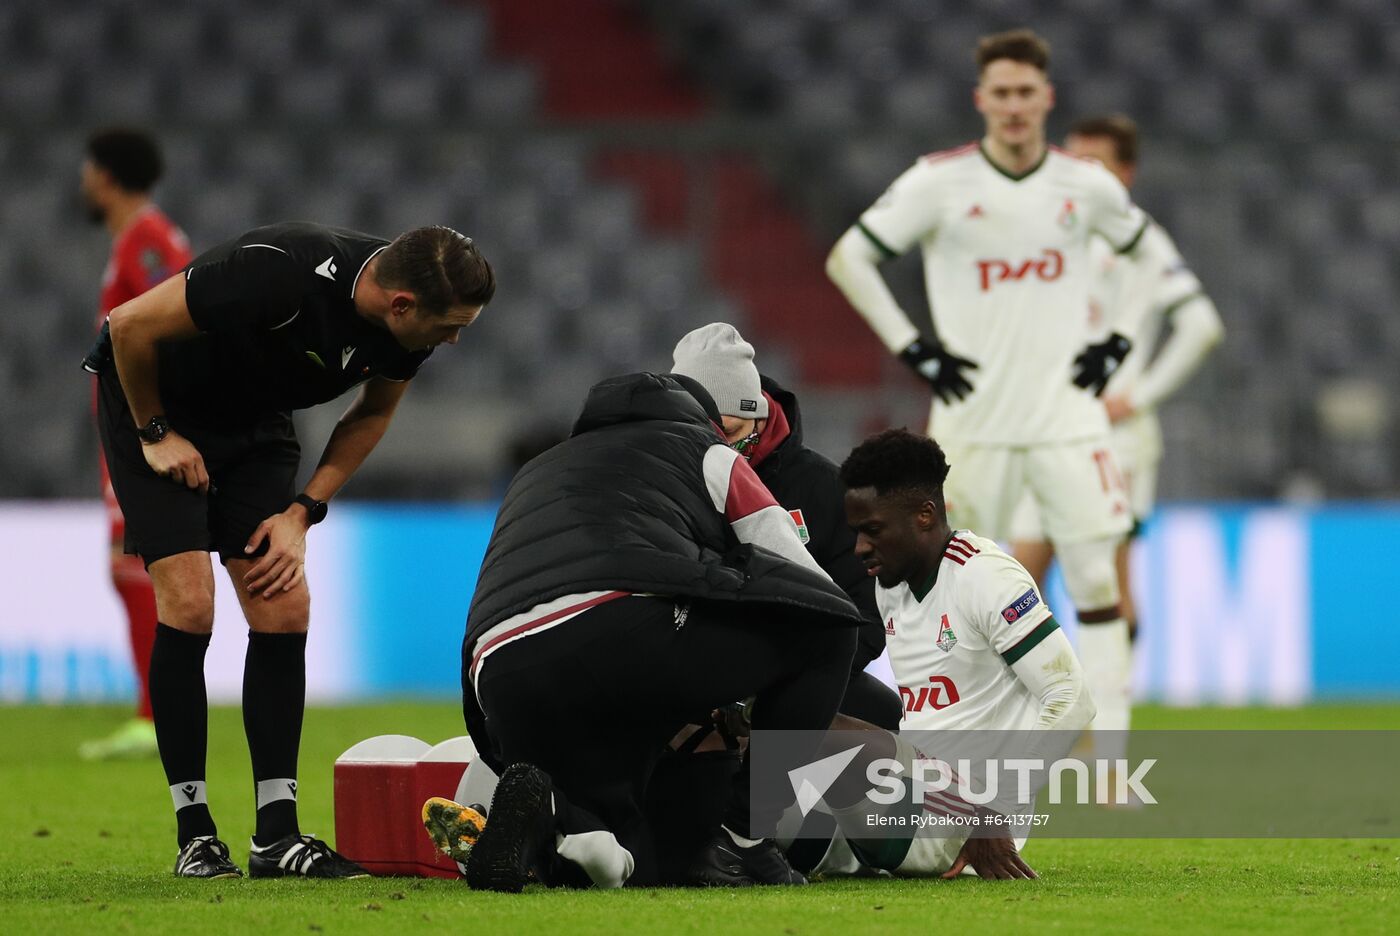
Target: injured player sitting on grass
(981,664)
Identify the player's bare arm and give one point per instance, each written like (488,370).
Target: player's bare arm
(355,436)
(138,327)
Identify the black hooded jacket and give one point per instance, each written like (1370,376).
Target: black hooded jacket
(805,480)
(622,505)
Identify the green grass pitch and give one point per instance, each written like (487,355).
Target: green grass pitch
(88,848)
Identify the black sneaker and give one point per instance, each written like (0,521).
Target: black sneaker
(722,863)
(204,856)
(517,844)
(305,855)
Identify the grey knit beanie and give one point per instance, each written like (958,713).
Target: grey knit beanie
(721,360)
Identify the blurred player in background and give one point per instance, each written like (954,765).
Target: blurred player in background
(1004,226)
(1160,305)
(197,381)
(120,168)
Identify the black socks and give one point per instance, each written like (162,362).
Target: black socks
(181,709)
(274,698)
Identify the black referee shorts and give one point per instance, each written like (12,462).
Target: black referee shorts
(252,469)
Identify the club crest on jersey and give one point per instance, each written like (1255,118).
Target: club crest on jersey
(803,533)
(975,211)
(1014,611)
(1067,216)
(153,265)
(947,640)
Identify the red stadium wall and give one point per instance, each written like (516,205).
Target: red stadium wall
(599,60)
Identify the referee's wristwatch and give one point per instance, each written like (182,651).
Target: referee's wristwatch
(315,509)
(154,431)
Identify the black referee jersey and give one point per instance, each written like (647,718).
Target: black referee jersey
(279,328)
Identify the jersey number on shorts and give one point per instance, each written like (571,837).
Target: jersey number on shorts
(1109,475)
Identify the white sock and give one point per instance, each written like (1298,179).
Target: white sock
(599,854)
(740,840)
(1106,655)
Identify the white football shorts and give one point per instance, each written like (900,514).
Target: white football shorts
(1074,491)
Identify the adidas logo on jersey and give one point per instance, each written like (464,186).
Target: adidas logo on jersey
(889,628)
(975,211)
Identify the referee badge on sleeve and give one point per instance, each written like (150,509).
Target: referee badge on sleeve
(802,532)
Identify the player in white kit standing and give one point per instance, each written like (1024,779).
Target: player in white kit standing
(973,647)
(1004,227)
(1150,292)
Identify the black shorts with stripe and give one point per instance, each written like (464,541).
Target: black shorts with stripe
(252,469)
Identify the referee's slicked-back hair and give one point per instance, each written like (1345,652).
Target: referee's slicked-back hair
(438,265)
(1120,128)
(132,157)
(898,462)
(1018,45)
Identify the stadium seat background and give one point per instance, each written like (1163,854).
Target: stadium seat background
(617,221)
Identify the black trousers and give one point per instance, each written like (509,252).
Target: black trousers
(689,790)
(594,701)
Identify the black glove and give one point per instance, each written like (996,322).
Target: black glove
(940,367)
(1096,363)
(100,357)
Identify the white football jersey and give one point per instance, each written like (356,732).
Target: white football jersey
(1138,292)
(1134,295)
(1007,270)
(952,647)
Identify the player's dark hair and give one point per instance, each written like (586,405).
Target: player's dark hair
(1119,128)
(131,156)
(1018,45)
(898,462)
(439,266)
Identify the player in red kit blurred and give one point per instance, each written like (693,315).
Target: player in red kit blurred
(119,170)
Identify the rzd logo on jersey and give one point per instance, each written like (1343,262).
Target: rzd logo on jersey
(1047,267)
(940,694)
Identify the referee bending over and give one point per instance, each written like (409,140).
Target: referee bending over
(196,425)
